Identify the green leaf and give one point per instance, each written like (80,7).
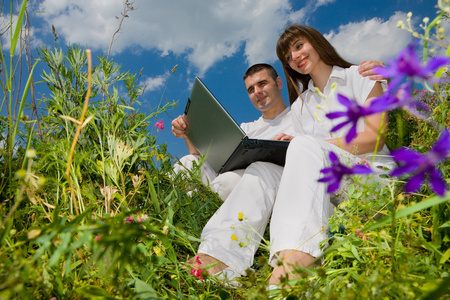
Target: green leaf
(355,253)
(153,195)
(91,290)
(18,28)
(445,257)
(409,210)
(65,240)
(443,288)
(144,290)
(445,225)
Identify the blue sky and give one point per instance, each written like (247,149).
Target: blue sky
(216,40)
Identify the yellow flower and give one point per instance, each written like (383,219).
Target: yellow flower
(233,237)
(317,117)
(158,155)
(241,216)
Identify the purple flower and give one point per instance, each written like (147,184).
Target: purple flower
(401,98)
(337,171)
(353,113)
(409,66)
(421,165)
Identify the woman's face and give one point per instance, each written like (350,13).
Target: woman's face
(302,57)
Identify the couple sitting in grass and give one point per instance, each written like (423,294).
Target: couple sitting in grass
(295,200)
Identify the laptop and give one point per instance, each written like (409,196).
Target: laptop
(216,135)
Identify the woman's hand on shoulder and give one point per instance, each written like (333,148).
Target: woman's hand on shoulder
(366,69)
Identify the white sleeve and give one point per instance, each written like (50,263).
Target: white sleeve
(244,127)
(362,86)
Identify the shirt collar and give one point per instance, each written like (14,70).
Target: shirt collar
(280,115)
(336,72)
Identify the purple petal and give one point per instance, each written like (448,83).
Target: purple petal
(333,157)
(395,81)
(436,62)
(437,183)
(442,146)
(336,114)
(333,187)
(326,179)
(380,104)
(326,170)
(351,134)
(359,169)
(344,100)
(415,182)
(403,170)
(384,71)
(406,155)
(339,126)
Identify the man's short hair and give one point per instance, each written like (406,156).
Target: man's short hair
(258,67)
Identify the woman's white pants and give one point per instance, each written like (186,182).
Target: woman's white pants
(300,212)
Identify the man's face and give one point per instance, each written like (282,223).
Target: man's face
(264,92)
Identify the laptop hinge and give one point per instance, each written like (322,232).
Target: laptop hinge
(188,104)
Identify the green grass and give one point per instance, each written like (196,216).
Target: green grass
(120,224)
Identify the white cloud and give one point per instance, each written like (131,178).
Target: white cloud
(373,39)
(154,83)
(205,31)
(4,30)
(6,37)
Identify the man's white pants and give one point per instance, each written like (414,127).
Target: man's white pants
(235,242)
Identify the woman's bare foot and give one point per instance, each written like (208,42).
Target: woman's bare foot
(290,259)
(206,262)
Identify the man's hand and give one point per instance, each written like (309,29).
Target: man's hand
(366,69)
(179,127)
(283,137)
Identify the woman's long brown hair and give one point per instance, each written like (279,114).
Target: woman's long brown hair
(326,52)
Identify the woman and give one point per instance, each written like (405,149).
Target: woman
(315,74)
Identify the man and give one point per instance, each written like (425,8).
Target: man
(264,89)
(232,235)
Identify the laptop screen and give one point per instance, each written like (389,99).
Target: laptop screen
(210,127)
(216,135)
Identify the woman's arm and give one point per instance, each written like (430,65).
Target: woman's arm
(366,141)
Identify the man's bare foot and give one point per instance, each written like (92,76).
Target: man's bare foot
(204,261)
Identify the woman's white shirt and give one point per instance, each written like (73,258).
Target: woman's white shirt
(309,115)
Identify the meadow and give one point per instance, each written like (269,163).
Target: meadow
(90,207)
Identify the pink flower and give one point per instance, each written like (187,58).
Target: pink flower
(197,259)
(360,234)
(197,273)
(129,220)
(97,238)
(160,124)
(363,162)
(423,93)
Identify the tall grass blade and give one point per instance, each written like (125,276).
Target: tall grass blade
(15,37)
